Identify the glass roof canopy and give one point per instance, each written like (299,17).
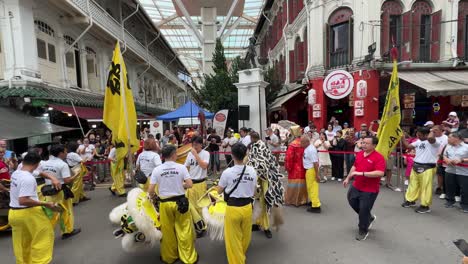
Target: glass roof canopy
(178,33)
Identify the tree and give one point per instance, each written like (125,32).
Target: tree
(238,64)
(271,76)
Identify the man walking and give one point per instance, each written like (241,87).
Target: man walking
(367,170)
(311,165)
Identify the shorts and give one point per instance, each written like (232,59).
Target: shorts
(390,162)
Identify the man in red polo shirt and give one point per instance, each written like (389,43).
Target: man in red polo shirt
(368,168)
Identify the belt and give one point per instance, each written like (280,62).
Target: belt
(238,202)
(172,199)
(20,208)
(199,180)
(426,164)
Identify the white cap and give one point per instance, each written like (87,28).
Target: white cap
(429,123)
(453,114)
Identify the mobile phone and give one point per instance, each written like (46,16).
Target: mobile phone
(462,246)
(267,138)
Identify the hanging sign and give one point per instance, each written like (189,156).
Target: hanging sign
(156,127)
(312,97)
(361,90)
(338,84)
(219,122)
(436,107)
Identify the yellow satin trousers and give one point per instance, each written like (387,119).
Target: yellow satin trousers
(194,194)
(420,186)
(65,218)
(178,241)
(78,186)
(118,176)
(32,235)
(312,188)
(237,232)
(264,219)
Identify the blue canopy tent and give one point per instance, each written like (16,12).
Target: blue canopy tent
(188,110)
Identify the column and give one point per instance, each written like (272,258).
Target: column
(208,19)
(251,92)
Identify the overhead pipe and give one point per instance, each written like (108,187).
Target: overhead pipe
(123,28)
(308,42)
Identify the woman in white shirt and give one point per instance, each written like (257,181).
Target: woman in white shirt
(321,145)
(148,160)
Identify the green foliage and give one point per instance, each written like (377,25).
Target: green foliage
(272,77)
(238,64)
(219,59)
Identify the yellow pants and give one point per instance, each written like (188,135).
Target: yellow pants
(78,186)
(312,188)
(420,186)
(65,218)
(32,235)
(178,240)
(118,176)
(194,194)
(264,220)
(237,232)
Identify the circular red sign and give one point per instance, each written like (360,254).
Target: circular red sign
(338,84)
(220,117)
(156,124)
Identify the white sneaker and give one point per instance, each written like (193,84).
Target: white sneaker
(442,196)
(333,178)
(457,199)
(406,182)
(340,180)
(397,189)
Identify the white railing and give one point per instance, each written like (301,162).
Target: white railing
(114,28)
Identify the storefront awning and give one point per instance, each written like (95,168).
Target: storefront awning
(15,124)
(439,83)
(282,99)
(91,114)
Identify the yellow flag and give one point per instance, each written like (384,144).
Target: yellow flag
(119,108)
(389,132)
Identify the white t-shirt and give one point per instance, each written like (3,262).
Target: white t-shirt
(229,142)
(310,157)
(88,154)
(246,188)
(457,152)
(23,184)
(425,151)
(73,159)
(443,141)
(330,135)
(196,172)
(112,153)
(37,171)
(57,168)
(274,140)
(246,140)
(148,160)
(170,177)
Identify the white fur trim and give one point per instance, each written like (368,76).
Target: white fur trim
(215,224)
(257,211)
(116,214)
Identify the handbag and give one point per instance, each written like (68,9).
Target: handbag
(228,195)
(140,176)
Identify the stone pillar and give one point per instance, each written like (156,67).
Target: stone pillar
(209,27)
(19,40)
(251,92)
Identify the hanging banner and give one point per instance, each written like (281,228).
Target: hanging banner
(338,84)
(156,127)
(219,122)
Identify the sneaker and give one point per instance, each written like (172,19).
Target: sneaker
(84,199)
(72,233)
(362,235)
(423,209)
(268,233)
(406,182)
(201,233)
(123,195)
(255,228)
(457,199)
(449,205)
(438,191)
(372,220)
(333,178)
(316,210)
(112,191)
(408,204)
(340,180)
(442,196)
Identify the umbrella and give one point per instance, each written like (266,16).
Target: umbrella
(286,124)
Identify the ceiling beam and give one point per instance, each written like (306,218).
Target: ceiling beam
(227,18)
(166,20)
(249,18)
(191,24)
(233,26)
(172,26)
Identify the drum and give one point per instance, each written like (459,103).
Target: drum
(4,206)
(182,153)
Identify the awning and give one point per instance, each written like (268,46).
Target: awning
(91,114)
(439,83)
(15,124)
(282,99)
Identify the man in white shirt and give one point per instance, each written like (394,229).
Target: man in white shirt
(238,217)
(228,142)
(74,161)
(311,165)
(197,163)
(176,222)
(32,235)
(442,139)
(87,151)
(427,149)
(245,137)
(58,168)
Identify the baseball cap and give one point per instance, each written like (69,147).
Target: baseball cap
(429,123)
(345,123)
(453,114)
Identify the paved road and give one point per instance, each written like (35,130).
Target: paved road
(399,235)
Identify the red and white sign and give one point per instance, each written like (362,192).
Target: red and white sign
(338,84)
(316,114)
(219,122)
(317,107)
(359,104)
(156,127)
(359,111)
(361,90)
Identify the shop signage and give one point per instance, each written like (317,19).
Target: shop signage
(156,127)
(359,112)
(408,100)
(316,114)
(436,107)
(312,97)
(361,91)
(316,107)
(219,122)
(464,102)
(338,84)
(359,104)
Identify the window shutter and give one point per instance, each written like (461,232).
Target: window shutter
(415,35)
(406,41)
(435,35)
(291,66)
(290,11)
(326,45)
(461,33)
(41,49)
(285,12)
(385,33)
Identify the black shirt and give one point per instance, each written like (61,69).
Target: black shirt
(214,147)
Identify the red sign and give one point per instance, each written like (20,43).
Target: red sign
(156,124)
(338,84)
(220,117)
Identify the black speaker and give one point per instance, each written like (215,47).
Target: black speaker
(244,112)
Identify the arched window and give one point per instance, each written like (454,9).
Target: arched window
(44,27)
(69,40)
(421,26)
(339,38)
(462,35)
(391,28)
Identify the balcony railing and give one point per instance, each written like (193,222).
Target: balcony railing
(339,58)
(114,28)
